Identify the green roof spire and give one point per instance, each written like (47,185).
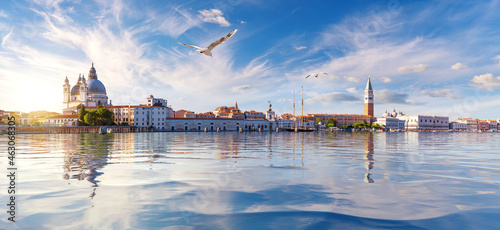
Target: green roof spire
(369,84)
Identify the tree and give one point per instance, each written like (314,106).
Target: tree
(331,122)
(81,114)
(101,116)
(365,124)
(318,120)
(91,118)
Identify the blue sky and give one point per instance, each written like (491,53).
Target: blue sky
(424,57)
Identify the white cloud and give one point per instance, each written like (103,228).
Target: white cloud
(213,16)
(331,97)
(243,22)
(439,93)
(241,88)
(497,58)
(386,96)
(284,100)
(458,66)
(486,81)
(3,14)
(301,47)
(412,68)
(352,90)
(386,79)
(352,79)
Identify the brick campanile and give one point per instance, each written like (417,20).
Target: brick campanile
(369,99)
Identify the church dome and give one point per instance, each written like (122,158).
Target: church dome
(95,86)
(385,114)
(75,91)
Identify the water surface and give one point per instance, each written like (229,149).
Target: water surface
(256,180)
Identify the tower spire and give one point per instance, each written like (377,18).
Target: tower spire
(369,99)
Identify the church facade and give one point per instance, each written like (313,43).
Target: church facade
(89,92)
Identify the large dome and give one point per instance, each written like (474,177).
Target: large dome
(95,86)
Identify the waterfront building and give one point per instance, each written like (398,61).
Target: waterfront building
(205,115)
(62,120)
(89,92)
(284,124)
(493,124)
(369,100)
(472,124)
(458,126)
(202,124)
(252,114)
(270,114)
(483,126)
(224,111)
(391,123)
(425,122)
(182,113)
(149,115)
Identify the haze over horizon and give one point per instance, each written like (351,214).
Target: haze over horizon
(424,57)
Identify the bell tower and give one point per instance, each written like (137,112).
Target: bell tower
(369,99)
(66,92)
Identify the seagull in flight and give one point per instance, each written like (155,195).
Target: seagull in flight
(208,51)
(315,75)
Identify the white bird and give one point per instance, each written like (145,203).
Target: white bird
(208,51)
(315,75)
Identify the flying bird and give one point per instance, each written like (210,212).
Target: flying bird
(315,75)
(208,51)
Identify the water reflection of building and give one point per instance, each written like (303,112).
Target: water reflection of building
(84,161)
(369,152)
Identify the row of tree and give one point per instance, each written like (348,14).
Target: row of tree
(332,122)
(101,116)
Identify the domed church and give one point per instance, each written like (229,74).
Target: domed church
(89,92)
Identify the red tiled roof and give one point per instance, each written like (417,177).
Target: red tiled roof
(63,116)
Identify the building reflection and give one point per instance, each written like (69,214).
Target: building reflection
(368,157)
(87,155)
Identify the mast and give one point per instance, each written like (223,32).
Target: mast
(293,121)
(302,116)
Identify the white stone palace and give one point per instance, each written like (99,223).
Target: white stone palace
(89,92)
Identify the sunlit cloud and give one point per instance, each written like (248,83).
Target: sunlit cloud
(301,47)
(241,88)
(413,68)
(352,79)
(486,81)
(213,16)
(458,66)
(352,90)
(385,79)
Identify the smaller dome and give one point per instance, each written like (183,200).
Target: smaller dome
(386,114)
(75,91)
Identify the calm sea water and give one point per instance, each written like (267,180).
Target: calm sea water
(256,180)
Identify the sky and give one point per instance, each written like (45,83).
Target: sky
(423,57)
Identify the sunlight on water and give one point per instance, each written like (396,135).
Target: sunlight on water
(257,180)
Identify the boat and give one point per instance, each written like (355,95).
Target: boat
(102,131)
(111,130)
(295,128)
